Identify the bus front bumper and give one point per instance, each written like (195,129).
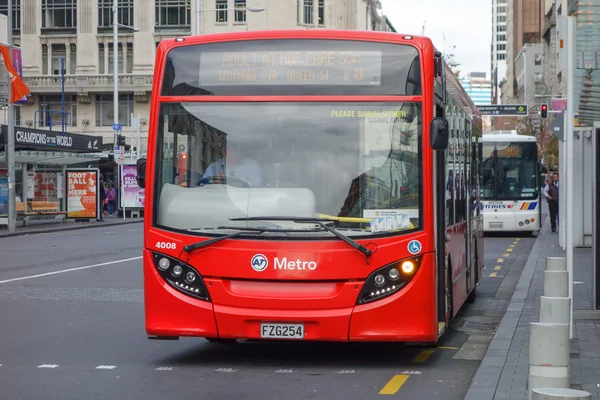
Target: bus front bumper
(406,316)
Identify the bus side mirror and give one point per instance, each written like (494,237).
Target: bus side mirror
(438,130)
(141,172)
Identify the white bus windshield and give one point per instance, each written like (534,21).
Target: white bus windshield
(510,171)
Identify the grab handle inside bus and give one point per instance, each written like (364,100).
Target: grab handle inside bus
(439,134)
(141,172)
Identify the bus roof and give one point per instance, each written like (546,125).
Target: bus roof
(505,136)
(341,34)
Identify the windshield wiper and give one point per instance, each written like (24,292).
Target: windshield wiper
(318,221)
(240,231)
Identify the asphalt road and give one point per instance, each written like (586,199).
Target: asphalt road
(72,327)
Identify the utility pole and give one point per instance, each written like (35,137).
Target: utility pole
(10,141)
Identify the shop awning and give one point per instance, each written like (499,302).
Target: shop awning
(59,158)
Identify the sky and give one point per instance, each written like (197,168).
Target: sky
(467,24)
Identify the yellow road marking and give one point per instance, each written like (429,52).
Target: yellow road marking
(497,268)
(495,275)
(448,348)
(506,255)
(512,246)
(394,384)
(517,239)
(509,250)
(422,356)
(501,260)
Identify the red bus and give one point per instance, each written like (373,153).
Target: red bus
(328,191)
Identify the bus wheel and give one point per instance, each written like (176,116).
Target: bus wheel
(221,341)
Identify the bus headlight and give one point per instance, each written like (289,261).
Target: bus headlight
(181,276)
(388,280)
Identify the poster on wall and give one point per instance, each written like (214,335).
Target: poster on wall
(132,196)
(82,196)
(3,195)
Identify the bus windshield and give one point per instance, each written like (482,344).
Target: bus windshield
(359,164)
(510,171)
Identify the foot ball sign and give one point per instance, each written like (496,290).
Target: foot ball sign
(82,193)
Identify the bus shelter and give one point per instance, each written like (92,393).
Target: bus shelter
(41,160)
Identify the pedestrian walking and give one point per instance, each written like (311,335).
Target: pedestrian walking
(551,193)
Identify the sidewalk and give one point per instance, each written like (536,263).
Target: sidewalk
(503,372)
(66,226)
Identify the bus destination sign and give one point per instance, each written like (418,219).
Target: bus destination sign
(310,67)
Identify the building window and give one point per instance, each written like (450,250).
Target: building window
(124,13)
(501,38)
(57,52)
(240,10)
(501,56)
(107,68)
(172,15)
(16,13)
(501,9)
(59,14)
(299,4)
(221,14)
(309,12)
(321,12)
(501,18)
(501,47)
(500,28)
(105,109)
(50,111)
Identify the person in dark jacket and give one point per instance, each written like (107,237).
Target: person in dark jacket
(552,191)
(102,196)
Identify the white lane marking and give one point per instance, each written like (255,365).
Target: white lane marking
(411,372)
(164,369)
(71,270)
(224,370)
(48,366)
(106,367)
(347,371)
(285,371)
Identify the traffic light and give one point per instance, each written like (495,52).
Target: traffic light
(544,111)
(121,140)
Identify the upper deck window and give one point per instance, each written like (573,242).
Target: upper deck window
(292,67)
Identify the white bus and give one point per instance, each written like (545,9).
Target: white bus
(510,191)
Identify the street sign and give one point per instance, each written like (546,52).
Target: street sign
(504,109)
(117,127)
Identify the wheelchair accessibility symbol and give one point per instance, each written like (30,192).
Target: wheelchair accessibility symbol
(414,247)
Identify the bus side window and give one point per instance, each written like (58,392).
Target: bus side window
(450,172)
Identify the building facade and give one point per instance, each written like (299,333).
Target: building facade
(478,87)
(498,49)
(76,35)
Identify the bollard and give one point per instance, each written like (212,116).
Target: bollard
(560,394)
(556,264)
(555,309)
(549,356)
(556,283)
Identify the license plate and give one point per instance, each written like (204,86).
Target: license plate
(282,331)
(495,224)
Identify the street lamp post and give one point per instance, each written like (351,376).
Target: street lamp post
(116,25)
(200,10)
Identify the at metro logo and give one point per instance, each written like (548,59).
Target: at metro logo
(294,265)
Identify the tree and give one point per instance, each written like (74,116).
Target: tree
(451,60)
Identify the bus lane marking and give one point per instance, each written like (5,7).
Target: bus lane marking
(64,271)
(394,384)
(422,356)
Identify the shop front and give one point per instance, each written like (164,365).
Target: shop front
(42,159)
